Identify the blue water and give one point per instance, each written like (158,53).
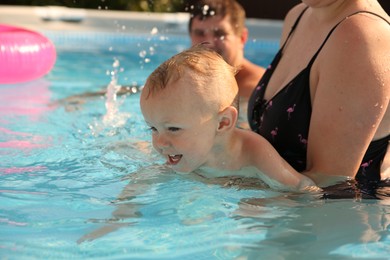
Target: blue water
(63,167)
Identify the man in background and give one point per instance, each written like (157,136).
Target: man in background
(221,23)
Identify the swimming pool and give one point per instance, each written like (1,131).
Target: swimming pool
(64,164)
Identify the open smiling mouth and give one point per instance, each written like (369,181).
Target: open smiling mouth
(174,159)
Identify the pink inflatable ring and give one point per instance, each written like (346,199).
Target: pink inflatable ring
(24,55)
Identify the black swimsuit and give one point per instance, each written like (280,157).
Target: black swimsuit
(284,120)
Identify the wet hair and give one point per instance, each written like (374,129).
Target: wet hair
(212,76)
(204,9)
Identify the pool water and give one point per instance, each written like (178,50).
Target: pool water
(66,164)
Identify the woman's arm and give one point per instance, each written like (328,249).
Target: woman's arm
(350,87)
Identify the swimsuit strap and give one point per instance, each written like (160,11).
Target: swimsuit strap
(294,26)
(331,31)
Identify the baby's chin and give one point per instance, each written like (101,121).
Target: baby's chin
(180,170)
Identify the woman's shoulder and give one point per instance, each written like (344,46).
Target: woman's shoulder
(361,33)
(365,22)
(294,12)
(291,18)
(358,42)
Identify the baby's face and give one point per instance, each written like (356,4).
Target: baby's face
(180,131)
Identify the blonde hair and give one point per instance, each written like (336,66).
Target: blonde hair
(213,78)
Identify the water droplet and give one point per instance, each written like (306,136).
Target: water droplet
(115,64)
(134,90)
(154,31)
(142,54)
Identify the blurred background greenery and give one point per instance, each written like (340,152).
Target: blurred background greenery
(266,9)
(133,5)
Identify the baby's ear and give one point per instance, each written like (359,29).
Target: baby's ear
(244,35)
(227,119)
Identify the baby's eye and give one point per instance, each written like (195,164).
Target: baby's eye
(173,129)
(153,129)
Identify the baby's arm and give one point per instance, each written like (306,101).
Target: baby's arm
(140,181)
(274,170)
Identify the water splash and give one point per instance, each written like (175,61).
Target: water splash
(114,118)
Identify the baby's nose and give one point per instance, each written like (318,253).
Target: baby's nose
(160,141)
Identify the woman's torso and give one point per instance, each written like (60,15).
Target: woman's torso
(280,108)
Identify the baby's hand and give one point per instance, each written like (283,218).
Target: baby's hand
(102,231)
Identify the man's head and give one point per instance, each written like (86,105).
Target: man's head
(222,24)
(205,9)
